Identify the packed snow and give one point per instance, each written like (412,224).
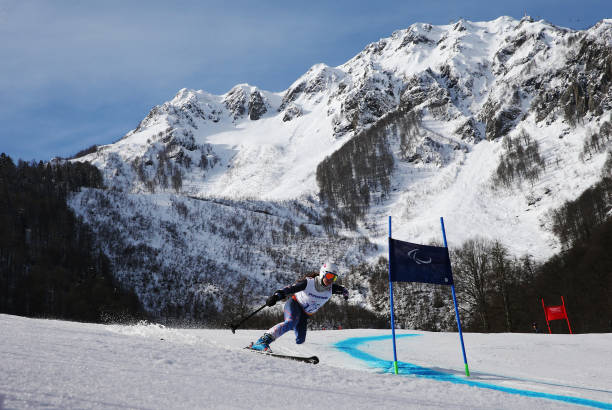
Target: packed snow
(56,364)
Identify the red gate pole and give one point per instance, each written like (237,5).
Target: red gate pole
(565,313)
(546,317)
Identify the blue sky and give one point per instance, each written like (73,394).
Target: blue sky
(78,73)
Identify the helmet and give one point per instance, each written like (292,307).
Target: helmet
(328,267)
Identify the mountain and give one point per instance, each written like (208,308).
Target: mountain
(491,125)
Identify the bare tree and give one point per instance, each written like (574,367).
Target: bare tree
(502,269)
(472,272)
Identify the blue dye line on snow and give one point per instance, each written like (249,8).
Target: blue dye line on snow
(350,346)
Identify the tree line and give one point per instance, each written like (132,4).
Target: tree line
(498,292)
(348,178)
(49,266)
(521,160)
(574,222)
(597,141)
(358,174)
(504,293)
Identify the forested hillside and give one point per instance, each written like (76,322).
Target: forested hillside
(499,292)
(49,265)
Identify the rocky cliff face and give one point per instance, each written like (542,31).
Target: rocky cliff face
(483,80)
(243,100)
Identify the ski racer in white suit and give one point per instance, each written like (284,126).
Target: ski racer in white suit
(308,295)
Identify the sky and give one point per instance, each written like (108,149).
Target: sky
(74,74)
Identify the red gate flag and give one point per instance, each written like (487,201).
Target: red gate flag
(556,313)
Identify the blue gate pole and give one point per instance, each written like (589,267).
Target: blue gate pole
(467,370)
(391,302)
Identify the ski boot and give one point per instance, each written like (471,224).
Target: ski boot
(263,343)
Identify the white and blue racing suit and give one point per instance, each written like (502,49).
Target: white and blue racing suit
(307,299)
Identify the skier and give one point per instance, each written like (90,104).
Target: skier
(308,295)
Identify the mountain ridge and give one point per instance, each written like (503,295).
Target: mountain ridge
(448,103)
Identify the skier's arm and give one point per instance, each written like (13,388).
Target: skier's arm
(291,289)
(340,290)
(286,291)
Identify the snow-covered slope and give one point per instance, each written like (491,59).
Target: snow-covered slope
(54,364)
(186,253)
(468,86)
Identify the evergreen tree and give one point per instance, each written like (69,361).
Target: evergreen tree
(48,263)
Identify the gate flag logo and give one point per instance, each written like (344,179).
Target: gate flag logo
(411,262)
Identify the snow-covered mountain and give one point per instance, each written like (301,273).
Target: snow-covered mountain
(489,124)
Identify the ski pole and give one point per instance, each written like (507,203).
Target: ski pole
(244,319)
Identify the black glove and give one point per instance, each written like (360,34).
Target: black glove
(345,294)
(271,301)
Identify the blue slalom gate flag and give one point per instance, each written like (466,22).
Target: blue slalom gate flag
(410,262)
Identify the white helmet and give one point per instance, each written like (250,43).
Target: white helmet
(328,267)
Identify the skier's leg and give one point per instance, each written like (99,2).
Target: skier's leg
(300,328)
(292,312)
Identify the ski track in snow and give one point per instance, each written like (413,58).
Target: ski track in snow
(350,346)
(55,364)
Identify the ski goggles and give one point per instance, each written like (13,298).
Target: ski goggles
(330,276)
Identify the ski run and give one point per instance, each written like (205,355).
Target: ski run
(57,364)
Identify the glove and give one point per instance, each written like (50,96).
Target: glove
(345,294)
(271,301)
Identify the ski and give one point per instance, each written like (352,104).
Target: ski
(311,359)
